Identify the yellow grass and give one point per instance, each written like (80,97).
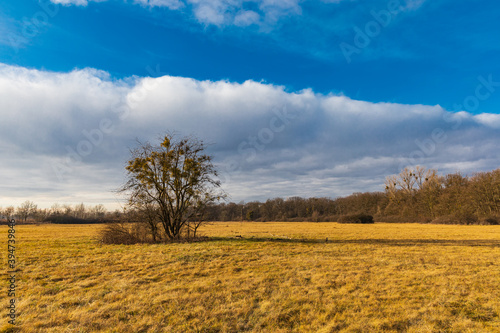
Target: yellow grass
(280,277)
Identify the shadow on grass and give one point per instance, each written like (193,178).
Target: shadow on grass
(369,241)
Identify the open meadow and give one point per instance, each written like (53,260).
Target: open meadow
(261,277)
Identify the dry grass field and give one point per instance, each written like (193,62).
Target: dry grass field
(279,277)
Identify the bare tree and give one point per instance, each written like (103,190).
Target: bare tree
(171,183)
(80,211)
(56,209)
(9,211)
(402,190)
(98,211)
(67,209)
(26,209)
(485,192)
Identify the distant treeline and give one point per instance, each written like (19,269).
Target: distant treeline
(415,195)
(28,212)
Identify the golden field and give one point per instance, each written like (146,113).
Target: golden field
(278,277)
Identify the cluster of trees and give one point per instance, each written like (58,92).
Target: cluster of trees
(415,195)
(299,209)
(80,213)
(453,198)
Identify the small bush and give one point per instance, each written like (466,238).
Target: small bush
(356,218)
(492,220)
(462,219)
(119,233)
(66,219)
(448,219)
(467,219)
(402,219)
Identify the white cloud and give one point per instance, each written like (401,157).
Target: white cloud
(221,12)
(411,5)
(171,4)
(267,142)
(211,12)
(72,2)
(490,120)
(245,18)
(228,12)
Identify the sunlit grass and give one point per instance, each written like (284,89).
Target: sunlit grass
(276,277)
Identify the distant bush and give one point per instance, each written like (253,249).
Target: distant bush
(66,219)
(448,219)
(332,218)
(402,219)
(356,218)
(462,219)
(295,219)
(492,220)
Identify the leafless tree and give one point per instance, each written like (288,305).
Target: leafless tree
(26,209)
(171,183)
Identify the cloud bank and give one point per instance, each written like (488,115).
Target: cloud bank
(64,137)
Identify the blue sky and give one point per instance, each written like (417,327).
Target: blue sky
(410,61)
(430,53)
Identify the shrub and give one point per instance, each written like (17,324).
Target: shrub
(331,218)
(356,218)
(401,219)
(492,220)
(463,219)
(119,233)
(467,219)
(447,219)
(66,219)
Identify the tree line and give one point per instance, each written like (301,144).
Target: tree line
(28,211)
(414,195)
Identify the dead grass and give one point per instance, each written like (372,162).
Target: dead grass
(276,277)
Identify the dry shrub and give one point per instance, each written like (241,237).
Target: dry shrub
(120,233)
(322,218)
(402,219)
(462,219)
(491,220)
(356,218)
(140,232)
(448,219)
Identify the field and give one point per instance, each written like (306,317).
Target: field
(276,277)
